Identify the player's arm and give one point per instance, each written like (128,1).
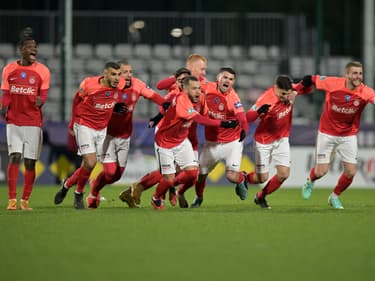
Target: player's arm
(5,100)
(206,121)
(253,113)
(77,99)
(166,83)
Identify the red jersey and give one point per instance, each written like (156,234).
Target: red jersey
(121,124)
(343,107)
(95,105)
(21,85)
(174,128)
(222,106)
(277,122)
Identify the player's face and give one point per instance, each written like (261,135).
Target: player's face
(354,77)
(198,68)
(284,95)
(193,90)
(180,79)
(127,74)
(112,77)
(225,81)
(28,52)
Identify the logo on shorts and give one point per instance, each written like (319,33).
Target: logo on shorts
(321,156)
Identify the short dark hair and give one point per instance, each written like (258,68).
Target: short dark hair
(227,69)
(189,78)
(124,62)
(182,70)
(26,34)
(112,64)
(284,82)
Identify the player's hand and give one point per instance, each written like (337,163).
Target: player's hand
(242,135)
(263,109)
(120,108)
(155,120)
(229,124)
(307,81)
(166,105)
(38,101)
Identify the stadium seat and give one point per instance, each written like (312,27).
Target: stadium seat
(46,50)
(83,51)
(201,50)
(180,52)
(123,51)
(7,50)
(258,52)
(95,66)
(104,51)
(274,52)
(248,67)
(162,51)
(171,66)
(143,51)
(156,65)
(236,52)
(219,52)
(299,66)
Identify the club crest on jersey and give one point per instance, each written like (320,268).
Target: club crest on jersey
(107,94)
(124,96)
(32,80)
(216,100)
(134,97)
(356,103)
(220,107)
(115,95)
(23,75)
(237,104)
(347,98)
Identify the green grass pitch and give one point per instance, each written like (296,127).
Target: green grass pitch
(226,239)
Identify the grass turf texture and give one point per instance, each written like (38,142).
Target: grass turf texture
(226,239)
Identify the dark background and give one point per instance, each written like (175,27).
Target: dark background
(341,20)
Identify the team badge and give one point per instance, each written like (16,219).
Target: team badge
(23,75)
(107,93)
(124,96)
(115,95)
(356,103)
(216,100)
(32,80)
(220,107)
(347,98)
(134,97)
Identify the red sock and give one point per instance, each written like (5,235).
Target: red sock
(199,188)
(251,178)
(28,183)
(12,175)
(109,170)
(72,180)
(187,178)
(162,188)
(98,183)
(342,184)
(312,175)
(272,185)
(150,179)
(240,177)
(82,179)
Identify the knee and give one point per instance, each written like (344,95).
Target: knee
(15,158)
